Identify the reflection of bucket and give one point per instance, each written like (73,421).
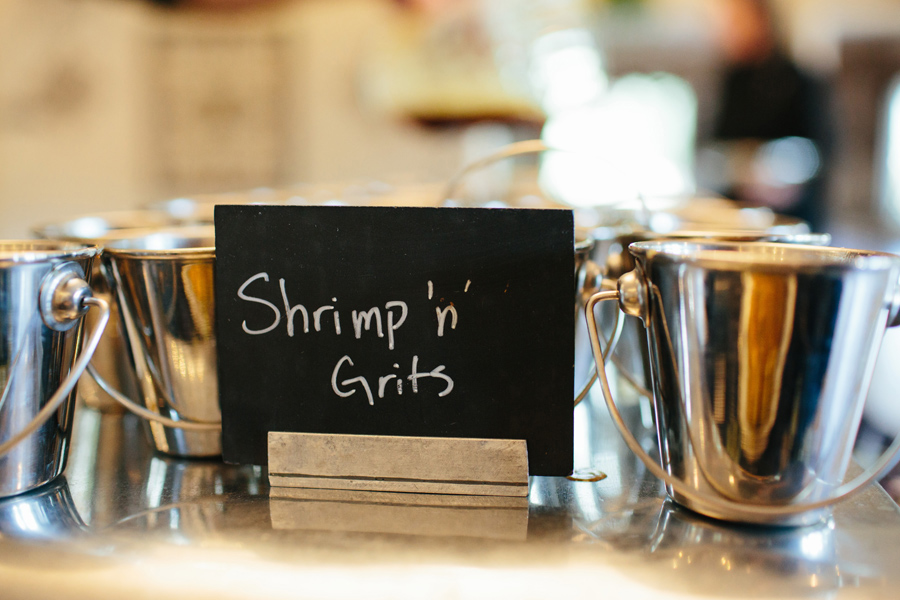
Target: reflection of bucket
(48,513)
(760,356)
(713,558)
(110,359)
(186,497)
(43,293)
(163,283)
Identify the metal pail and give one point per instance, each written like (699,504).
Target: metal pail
(761,356)
(163,285)
(44,291)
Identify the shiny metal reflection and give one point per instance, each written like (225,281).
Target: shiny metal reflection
(633,355)
(46,513)
(630,352)
(163,283)
(727,557)
(185,498)
(39,356)
(761,356)
(97,229)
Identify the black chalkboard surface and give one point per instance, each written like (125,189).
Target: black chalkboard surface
(446,322)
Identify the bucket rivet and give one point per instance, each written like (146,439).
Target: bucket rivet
(62,297)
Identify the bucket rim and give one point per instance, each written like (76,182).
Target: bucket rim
(762,255)
(736,236)
(199,252)
(25,251)
(195,241)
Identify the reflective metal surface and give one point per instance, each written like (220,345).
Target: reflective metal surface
(111,358)
(163,284)
(621,260)
(38,282)
(632,354)
(48,513)
(128,523)
(761,356)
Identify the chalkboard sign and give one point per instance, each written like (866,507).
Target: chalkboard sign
(435,322)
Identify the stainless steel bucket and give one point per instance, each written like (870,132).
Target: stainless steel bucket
(163,285)
(44,291)
(761,355)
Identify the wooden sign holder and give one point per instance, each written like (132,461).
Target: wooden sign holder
(420,465)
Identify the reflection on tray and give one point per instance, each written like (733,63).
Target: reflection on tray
(46,513)
(489,517)
(694,554)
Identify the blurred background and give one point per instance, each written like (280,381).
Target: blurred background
(108,104)
(790,104)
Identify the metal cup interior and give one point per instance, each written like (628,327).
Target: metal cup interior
(761,354)
(163,283)
(34,361)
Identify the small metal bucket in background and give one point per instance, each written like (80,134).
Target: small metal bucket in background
(44,292)
(163,285)
(761,356)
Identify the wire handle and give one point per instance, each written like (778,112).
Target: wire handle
(618,327)
(64,297)
(142,412)
(731,509)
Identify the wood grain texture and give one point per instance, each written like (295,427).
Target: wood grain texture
(398,464)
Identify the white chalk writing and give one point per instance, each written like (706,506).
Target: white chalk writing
(380,321)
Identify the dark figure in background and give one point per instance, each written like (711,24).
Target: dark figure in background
(773,117)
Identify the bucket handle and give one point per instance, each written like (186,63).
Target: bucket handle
(140,411)
(63,298)
(630,287)
(590,279)
(588,289)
